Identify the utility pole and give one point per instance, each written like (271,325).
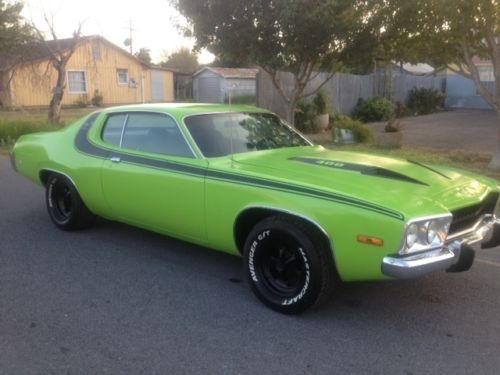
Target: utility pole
(129,41)
(130,30)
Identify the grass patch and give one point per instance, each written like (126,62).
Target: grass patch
(474,162)
(68,115)
(13,124)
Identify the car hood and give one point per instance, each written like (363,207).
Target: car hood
(407,186)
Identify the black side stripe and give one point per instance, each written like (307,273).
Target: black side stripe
(83,145)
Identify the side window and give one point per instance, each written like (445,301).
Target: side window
(151,132)
(113,129)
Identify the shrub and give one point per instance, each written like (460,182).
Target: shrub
(320,102)
(373,109)
(361,132)
(422,101)
(97,99)
(304,113)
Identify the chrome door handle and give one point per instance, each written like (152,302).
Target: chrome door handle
(115,159)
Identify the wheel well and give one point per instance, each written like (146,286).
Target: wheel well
(44,176)
(250,217)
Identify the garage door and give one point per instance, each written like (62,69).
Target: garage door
(209,90)
(157,86)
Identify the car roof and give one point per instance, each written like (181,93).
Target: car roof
(185,109)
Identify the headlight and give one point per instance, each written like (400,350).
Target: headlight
(426,234)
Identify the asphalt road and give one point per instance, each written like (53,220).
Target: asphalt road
(119,300)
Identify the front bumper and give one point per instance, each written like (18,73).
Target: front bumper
(457,254)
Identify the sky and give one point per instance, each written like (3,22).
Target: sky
(153,22)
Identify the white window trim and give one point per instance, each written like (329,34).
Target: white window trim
(118,77)
(86,81)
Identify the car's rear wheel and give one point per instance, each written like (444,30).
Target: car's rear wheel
(289,266)
(66,208)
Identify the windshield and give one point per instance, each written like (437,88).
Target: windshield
(222,134)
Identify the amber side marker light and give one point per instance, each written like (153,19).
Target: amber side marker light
(370,240)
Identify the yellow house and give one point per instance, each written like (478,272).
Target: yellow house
(97,67)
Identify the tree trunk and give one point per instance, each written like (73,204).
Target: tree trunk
(57,96)
(290,112)
(495,161)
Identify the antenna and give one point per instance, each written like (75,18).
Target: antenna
(231,136)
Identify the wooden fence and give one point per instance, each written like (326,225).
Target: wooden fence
(344,90)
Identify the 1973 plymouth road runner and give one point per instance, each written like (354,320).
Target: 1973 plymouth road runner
(239,180)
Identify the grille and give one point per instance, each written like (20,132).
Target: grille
(465,218)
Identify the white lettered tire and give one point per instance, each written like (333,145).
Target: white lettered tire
(288,265)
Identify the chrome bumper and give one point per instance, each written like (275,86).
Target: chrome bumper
(456,255)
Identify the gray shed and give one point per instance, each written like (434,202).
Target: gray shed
(215,85)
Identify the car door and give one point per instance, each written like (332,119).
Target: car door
(153,178)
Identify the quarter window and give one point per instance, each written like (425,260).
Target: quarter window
(113,129)
(77,82)
(146,132)
(122,75)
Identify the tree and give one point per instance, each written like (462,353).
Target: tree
(182,60)
(58,57)
(448,33)
(14,32)
(144,55)
(302,37)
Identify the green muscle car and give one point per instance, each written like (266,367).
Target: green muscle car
(240,180)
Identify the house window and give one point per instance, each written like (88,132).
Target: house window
(122,75)
(77,82)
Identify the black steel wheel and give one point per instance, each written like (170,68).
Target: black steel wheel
(65,206)
(288,265)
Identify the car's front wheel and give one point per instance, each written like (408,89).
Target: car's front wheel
(66,208)
(289,266)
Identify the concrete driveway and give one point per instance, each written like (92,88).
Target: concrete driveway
(463,130)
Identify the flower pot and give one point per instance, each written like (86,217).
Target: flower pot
(321,122)
(389,140)
(343,136)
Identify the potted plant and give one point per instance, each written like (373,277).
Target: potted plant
(321,120)
(391,137)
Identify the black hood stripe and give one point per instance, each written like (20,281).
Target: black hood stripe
(83,145)
(363,169)
(429,168)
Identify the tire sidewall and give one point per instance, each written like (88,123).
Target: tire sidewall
(51,205)
(311,286)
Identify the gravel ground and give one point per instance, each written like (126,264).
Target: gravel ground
(464,130)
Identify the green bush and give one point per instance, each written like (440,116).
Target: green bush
(97,99)
(373,109)
(10,131)
(304,113)
(422,101)
(361,132)
(320,102)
